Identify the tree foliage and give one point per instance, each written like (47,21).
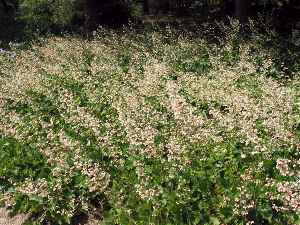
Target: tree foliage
(44,15)
(40,16)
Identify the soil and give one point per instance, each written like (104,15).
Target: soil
(5,219)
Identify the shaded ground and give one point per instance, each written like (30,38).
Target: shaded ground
(5,219)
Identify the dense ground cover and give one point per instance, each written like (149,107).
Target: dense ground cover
(152,128)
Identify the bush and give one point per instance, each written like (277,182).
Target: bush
(42,16)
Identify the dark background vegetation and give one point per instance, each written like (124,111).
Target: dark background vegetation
(21,19)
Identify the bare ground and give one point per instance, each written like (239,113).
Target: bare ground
(5,219)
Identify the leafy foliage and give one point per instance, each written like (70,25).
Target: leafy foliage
(42,16)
